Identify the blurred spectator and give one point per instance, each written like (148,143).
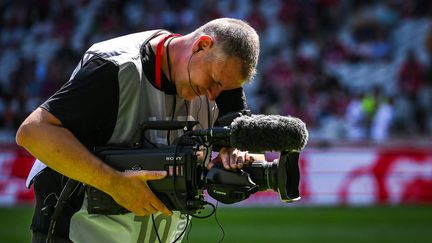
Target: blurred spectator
(333,51)
(256,18)
(411,81)
(382,120)
(355,119)
(369,103)
(371,41)
(306,46)
(410,74)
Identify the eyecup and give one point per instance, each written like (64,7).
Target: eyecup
(288,176)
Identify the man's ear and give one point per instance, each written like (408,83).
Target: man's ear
(204,42)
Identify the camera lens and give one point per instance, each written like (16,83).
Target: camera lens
(264,174)
(282,176)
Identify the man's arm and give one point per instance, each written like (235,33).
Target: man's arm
(43,135)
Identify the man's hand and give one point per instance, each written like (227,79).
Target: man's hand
(44,136)
(132,192)
(231,158)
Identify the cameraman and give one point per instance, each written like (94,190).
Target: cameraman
(117,84)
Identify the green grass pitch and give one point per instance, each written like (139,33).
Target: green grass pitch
(391,224)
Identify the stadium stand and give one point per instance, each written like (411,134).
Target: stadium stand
(328,50)
(355,71)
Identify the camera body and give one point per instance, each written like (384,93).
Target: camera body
(182,189)
(185,162)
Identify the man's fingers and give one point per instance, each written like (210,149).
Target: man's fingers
(153,202)
(142,212)
(240,162)
(150,175)
(225,160)
(216,160)
(225,156)
(210,164)
(231,158)
(159,206)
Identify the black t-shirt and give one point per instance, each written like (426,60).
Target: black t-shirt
(87,104)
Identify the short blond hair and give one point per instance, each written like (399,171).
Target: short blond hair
(235,38)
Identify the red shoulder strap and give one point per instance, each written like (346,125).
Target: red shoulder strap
(159,53)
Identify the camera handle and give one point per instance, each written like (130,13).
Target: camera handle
(167,125)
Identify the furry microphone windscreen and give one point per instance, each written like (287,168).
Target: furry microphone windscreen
(260,133)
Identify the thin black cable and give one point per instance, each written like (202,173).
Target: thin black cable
(199,110)
(206,216)
(190,84)
(184,230)
(172,119)
(155,229)
(150,142)
(45,202)
(218,223)
(199,217)
(172,81)
(189,76)
(169,60)
(186,107)
(65,194)
(188,233)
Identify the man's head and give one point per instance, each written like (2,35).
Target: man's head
(220,55)
(234,38)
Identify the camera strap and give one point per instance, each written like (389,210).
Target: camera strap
(68,189)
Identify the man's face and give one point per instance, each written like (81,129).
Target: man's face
(210,76)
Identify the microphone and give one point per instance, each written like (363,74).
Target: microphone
(260,133)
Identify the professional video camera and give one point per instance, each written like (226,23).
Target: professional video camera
(186,159)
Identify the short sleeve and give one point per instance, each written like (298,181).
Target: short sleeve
(87,105)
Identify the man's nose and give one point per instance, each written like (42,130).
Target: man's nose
(213,93)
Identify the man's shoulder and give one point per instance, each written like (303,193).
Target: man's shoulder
(126,42)
(123,50)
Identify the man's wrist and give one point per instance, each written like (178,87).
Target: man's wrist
(106,178)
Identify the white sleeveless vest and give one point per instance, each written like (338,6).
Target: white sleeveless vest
(138,101)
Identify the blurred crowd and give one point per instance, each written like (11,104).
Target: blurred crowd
(358,70)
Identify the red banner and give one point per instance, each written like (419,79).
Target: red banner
(14,167)
(331,176)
